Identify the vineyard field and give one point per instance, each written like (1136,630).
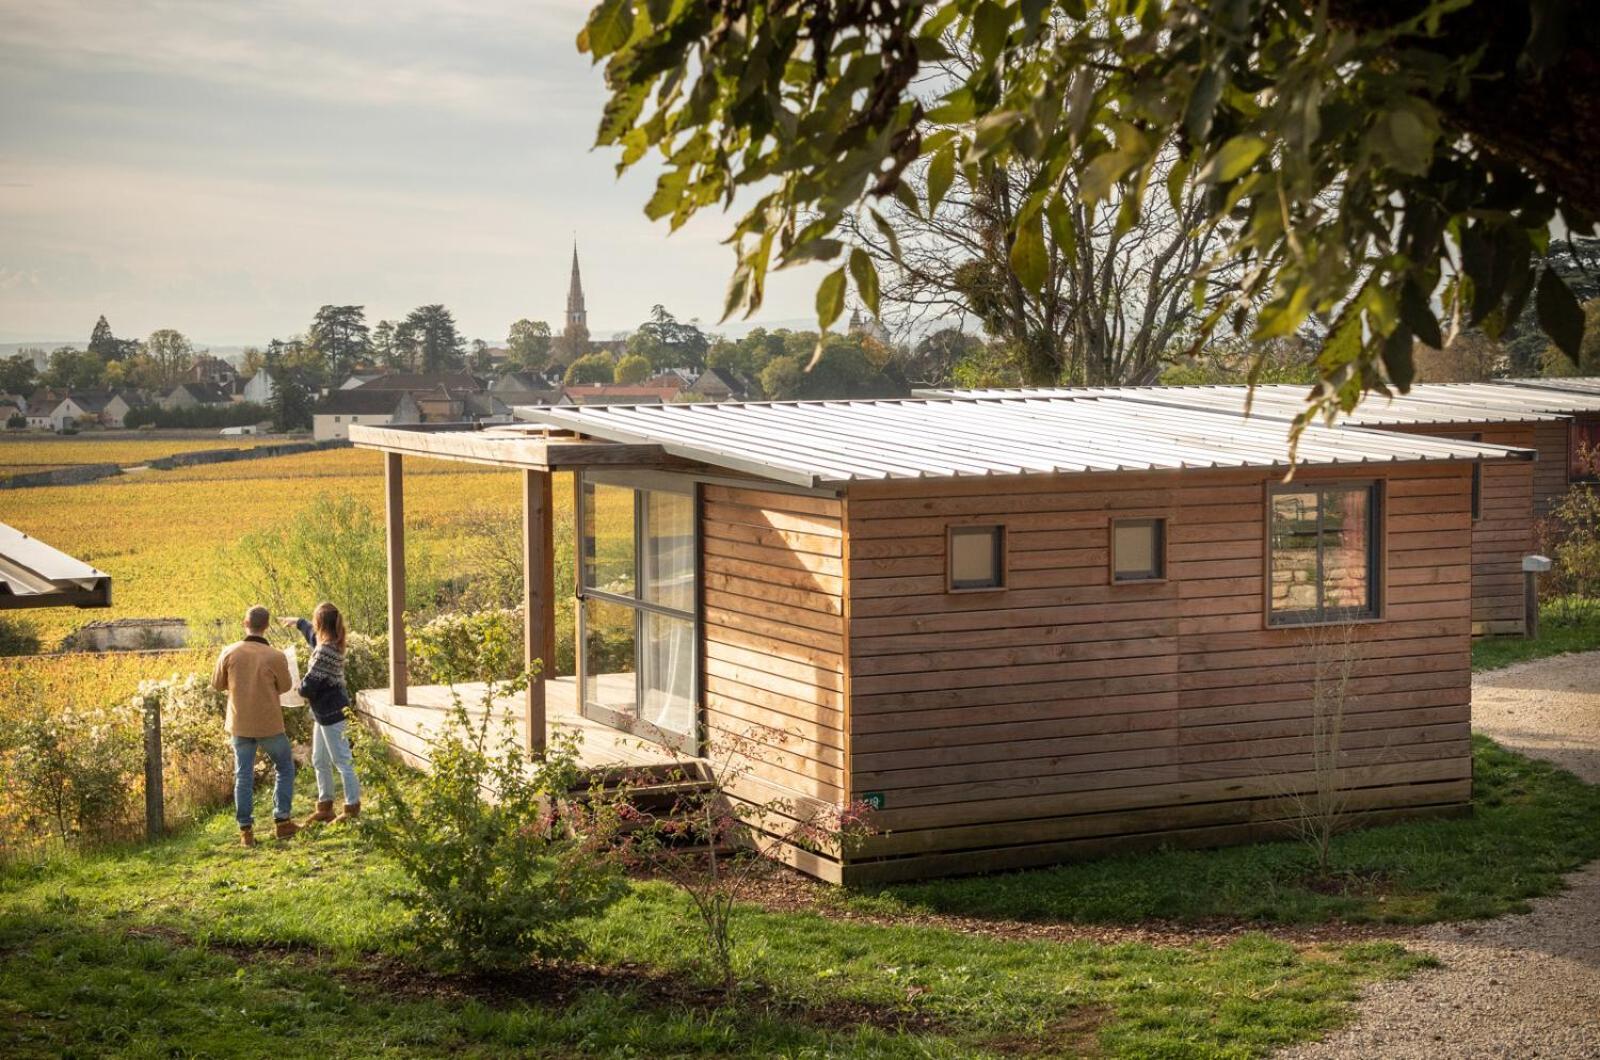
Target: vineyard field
(23,454)
(162,535)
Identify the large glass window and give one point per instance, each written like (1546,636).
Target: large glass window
(1324,553)
(637,606)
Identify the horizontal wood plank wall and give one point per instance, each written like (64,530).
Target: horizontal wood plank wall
(774,645)
(1552,473)
(1065,714)
(1503,532)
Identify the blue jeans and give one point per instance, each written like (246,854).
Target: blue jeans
(330,750)
(244,776)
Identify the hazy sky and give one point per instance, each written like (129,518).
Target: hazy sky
(224,168)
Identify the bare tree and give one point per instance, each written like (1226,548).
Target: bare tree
(1118,294)
(1321,810)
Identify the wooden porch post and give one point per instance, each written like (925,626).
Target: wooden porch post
(539,603)
(394,519)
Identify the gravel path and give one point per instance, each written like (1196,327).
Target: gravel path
(1519,986)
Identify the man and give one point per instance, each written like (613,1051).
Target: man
(255,675)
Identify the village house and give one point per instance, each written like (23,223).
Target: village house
(1021,629)
(194,395)
(332,417)
(617,394)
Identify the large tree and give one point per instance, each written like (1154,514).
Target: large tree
(106,346)
(667,342)
(528,345)
(17,375)
(1377,171)
(431,340)
(341,338)
(73,369)
(291,401)
(170,355)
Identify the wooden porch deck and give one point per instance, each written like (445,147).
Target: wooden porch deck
(409,729)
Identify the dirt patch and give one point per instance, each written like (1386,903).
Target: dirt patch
(1076,1034)
(557,985)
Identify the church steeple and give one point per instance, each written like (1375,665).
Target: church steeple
(577,317)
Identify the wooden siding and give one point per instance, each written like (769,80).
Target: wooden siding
(774,616)
(1503,532)
(1552,474)
(1065,715)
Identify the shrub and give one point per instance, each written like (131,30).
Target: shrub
(1571,538)
(366,662)
(73,770)
(454,647)
(496,880)
(18,636)
(333,549)
(196,758)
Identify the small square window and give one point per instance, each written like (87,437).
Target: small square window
(977,557)
(1138,550)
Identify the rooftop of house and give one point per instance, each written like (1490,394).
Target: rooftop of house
(205,393)
(816,442)
(360,401)
(619,393)
(1424,403)
(423,381)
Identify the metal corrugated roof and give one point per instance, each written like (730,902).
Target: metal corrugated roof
(1427,403)
(1581,386)
(32,574)
(815,442)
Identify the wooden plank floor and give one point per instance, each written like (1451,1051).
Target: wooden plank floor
(410,728)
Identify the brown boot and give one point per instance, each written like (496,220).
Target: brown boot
(287,829)
(352,810)
(323,815)
(247,836)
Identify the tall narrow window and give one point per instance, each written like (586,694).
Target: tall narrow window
(1323,544)
(1138,550)
(977,557)
(638,595)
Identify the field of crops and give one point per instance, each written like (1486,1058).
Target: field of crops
(24,453)
(162,535)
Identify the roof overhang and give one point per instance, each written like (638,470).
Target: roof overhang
(525,446)
(32,574)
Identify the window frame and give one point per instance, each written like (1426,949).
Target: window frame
(998,531)
(1377,552)
(1158,552)
(640,482)
(1477,483)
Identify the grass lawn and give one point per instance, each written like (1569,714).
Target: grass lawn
(196,946)
(1581,633)
(1531,823)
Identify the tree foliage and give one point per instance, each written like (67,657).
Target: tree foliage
(170,355)
(427,341)
(529,344)
(591,368)
(1354,159)
(340,336)
(17,375)
(668,343)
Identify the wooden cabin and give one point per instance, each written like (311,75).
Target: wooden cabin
(1022,630)
(1507,499)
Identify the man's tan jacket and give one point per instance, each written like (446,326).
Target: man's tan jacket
(254,674)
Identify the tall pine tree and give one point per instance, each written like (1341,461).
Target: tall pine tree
(340,336)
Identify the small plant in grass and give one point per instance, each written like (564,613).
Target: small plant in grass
(502,859)
(1321,808)
(711,842)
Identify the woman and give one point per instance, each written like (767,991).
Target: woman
(323,688)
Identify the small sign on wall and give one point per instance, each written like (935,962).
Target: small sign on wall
(874,800)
